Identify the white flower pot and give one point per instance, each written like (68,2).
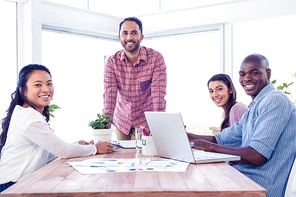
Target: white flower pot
(102,135)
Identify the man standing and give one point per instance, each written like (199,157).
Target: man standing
(134,81)
(267,131)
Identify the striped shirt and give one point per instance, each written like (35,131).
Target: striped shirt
(269,127)
(130,90)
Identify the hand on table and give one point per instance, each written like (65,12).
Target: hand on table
(104,147)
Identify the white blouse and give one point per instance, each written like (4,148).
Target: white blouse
(29,141)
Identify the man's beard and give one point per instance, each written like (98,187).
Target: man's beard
(131,50)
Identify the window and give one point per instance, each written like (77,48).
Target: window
(125,8)
(8,57)
(77,65)
(275,39)
(82,4)
(134,8)
(191,59)
(170,5)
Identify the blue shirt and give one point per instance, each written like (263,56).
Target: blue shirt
(269,127)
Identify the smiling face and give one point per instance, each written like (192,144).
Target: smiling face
(40,90)
(130,36)
(219,93)
(254,77)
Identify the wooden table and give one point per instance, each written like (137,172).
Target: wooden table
(59,179)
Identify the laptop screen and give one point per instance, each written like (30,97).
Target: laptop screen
(171,140)
(169,135)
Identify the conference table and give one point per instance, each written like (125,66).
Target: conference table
(58,178)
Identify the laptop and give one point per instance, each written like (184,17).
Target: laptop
(171,140)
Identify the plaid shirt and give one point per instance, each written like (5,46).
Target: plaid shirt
(130,90)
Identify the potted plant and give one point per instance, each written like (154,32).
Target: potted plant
(100,128)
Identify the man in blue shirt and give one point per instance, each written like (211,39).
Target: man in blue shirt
(267,131)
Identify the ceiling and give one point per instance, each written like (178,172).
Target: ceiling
(126,8)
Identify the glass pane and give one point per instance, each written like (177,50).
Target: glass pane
(275,39)
(125,8)
(77,66)
(115,7)
(191,61)
(82,4)
(135,7)
(170,5)
(8,68)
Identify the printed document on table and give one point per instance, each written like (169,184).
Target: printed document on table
(97,165)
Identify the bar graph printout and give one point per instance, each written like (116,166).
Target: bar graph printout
(97,165)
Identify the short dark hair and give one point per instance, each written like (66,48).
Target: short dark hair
(257,59)
(135,19)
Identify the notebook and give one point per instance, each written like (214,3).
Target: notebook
(171,140)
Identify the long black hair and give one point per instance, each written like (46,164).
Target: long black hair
(18,98)
(232,98)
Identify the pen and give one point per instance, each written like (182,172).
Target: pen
(144,131)
(148,133)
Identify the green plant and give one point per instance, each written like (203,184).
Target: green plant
(52,109)
(285,87)
(102,122)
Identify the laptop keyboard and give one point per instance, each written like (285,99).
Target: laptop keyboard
(202,155)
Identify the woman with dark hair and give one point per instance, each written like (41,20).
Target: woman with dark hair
(26,139)
(223,94)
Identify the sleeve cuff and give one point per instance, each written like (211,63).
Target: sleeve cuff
(95,150)
(261,148)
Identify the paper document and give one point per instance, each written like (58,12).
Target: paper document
(97,165)
(125,143)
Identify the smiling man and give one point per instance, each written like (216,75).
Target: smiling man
(266,131)
(134,81)
(254,74)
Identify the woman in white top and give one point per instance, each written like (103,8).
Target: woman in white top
(27,142)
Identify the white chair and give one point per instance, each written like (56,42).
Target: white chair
(289,192)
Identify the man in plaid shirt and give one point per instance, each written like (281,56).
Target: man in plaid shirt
(134,81)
